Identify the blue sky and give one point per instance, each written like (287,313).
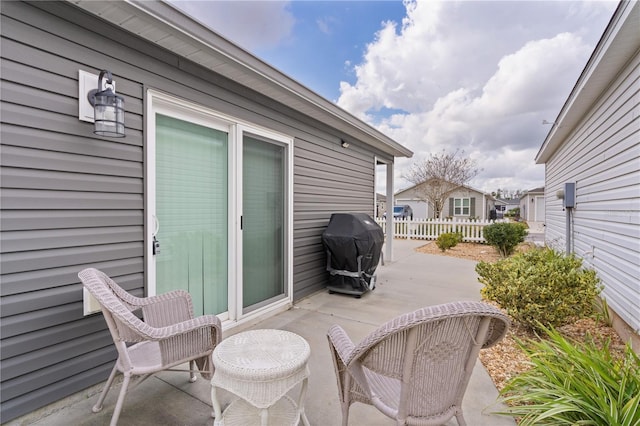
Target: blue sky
(327,39)
(478,76)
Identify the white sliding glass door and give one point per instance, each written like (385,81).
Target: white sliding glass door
(191,210)
(219,206)
(264,221)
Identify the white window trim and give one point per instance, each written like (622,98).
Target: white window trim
(461,206)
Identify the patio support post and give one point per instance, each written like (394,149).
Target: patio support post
(388,250)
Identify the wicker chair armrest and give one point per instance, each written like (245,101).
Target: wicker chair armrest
(170,295)
(168,308)
(342,343)
(167,332)
(197,337)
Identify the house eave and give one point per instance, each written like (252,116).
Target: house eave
(166,26)
(616,47)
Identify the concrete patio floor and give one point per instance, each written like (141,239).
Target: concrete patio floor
(412,280)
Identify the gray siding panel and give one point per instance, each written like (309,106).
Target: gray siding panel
(13,306)
(29,76)
(28,158)
(58,372)
(71,199)
(42,139)
(34,280)
(47,179)
(602,156)
(53,392)
(15,198)
(51,355)
(16,241)
(14,220)
(55,258)
(14,346)
(20,115)
(349,173)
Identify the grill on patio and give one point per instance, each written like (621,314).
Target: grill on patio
(353,242)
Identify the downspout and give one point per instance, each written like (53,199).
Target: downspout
(568,230)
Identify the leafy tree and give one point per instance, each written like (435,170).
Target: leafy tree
(440,175)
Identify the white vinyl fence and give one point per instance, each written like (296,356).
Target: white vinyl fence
(430,229)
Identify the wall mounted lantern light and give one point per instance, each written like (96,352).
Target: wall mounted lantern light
(108,108)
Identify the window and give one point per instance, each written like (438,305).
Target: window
(461,206)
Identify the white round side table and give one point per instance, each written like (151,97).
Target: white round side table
(260,367)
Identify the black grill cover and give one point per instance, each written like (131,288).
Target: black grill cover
(350,235)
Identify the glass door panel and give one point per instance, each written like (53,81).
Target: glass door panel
(263,221)
(191,208)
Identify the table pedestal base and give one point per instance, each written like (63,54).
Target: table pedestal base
(241,413)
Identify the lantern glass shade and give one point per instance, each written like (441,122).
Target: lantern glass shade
(108,108)
(109,114)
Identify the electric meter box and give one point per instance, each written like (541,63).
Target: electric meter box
(569,200)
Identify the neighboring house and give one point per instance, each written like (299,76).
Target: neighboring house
(532,205)
(232,166)
(465,202)
(507,204)
(501,207)
(595,144)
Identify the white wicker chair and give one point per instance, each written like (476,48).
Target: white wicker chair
(168,334)
(416,367)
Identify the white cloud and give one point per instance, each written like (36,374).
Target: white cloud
(256,24)
(475,75)
(479,76)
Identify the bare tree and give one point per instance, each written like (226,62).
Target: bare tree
(437,177)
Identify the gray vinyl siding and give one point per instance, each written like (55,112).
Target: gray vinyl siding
(327,179)
(72,200)
(601,156)
(68,200)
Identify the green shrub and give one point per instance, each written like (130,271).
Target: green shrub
(574,383)
(540,286)
(448,240)
(505,236)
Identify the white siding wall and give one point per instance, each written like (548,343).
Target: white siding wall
(602,155)
(532,208)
